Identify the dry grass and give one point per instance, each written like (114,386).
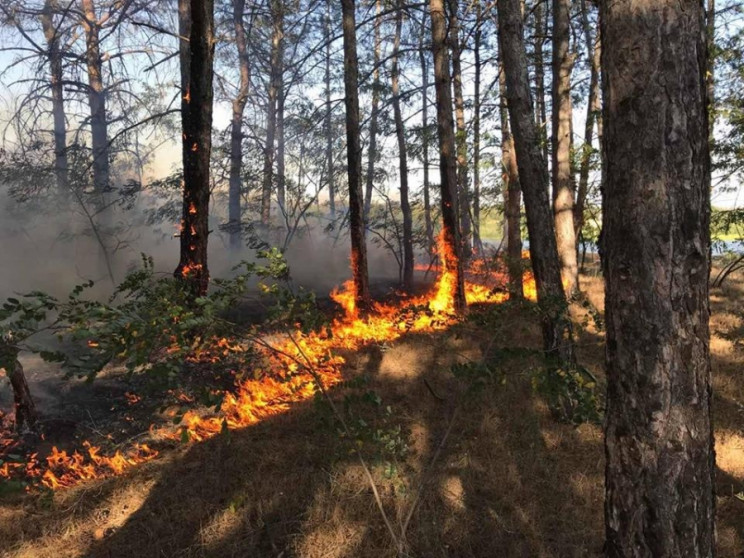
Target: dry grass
(509,481)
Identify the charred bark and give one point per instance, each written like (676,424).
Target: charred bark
(354,156)
(451,245)
(659,498)
(533,178)
(25,409)
(196,20)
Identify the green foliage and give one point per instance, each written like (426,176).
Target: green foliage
(571,393)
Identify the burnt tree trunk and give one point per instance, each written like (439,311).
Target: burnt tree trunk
(512,194)
(54,55)
(400,133)
(354,156)
(561,131)
(450,246)
(196,21)
(25,409)
(659,499)
(372,150)
(236,125)
(533,178)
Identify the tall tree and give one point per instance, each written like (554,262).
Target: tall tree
(354,156)
(400,133)
(423,61)
(656,257)
(376,88)
(477,244)
(196,21)
(533,178)
(328,121)
(236,124)
(450,246)
(561,131)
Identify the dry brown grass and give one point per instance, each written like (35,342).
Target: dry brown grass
(509,481)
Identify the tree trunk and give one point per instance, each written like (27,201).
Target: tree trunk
(329,112)
(512,193)
(25,409)
(96,99)
(477,244)
(372,151)
(659,499)
(450,246)
(277,32)
(594,106)
(281,194)
(461,138)
(561,129)
(236,127)
(196,20)
(710,33)
(541,31)
(425,136)
(354,155)
(54,55)
(400,133)
(533,177)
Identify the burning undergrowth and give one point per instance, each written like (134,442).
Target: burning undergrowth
(270,370)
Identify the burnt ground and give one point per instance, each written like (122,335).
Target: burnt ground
(488,471)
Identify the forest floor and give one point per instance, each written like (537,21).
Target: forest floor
(489,471)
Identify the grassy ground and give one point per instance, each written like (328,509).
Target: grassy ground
(489,471)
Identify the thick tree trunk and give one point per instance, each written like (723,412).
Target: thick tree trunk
(533,178)
(277,32)
(594,106)
(354,155)
(96,98)
(196,20)
(25,409)
(451,245)
(425,136)
(461,138)
(512,194)
(372,151)
(236,125)
(561,130)
(400,133)
(656,257)
(329,113)
(54,55)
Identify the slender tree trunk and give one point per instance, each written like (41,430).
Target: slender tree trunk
(594,106)
(196,20)
(533,177)
(402,156)
(425,136)
(25,409)
(512,193)
(354,154)
(461,138)
(280,159)
(58,103)
(329,113)
(563,181)
(376,87)
(277,18)
(710,33)
(477,244)
(96,98)
(236,126)
(659,499)
(541,31)
(451,245)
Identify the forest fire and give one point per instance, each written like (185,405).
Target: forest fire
(294,365)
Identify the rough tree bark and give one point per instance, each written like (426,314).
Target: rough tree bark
(594,106)
(512,194)
(451,244)
(236,125)
(196,21)
(400,133)
(96,97)
(425,135)
(533,177)
(277,32)
(461,137)
(328,123)
(561,131)
(25,409)
(659,499)
(54,55)
(354,155)
(372,150)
